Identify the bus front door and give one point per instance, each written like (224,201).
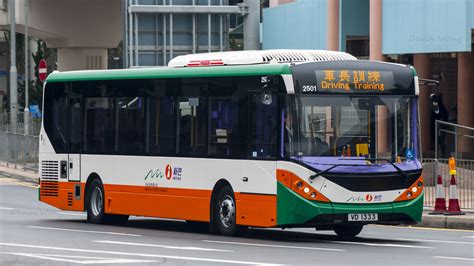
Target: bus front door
(75,137)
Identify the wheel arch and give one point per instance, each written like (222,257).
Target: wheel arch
(217,187)
(92,176)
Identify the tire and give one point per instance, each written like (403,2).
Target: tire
(95,206)
(348,230)
(225,212)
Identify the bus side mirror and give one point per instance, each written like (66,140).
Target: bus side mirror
(434,103)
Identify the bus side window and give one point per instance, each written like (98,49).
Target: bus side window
(161,117)
(55,104)
(263,130)
(99,118)
(130,116)
(192,117)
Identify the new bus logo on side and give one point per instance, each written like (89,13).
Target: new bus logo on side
(169,173)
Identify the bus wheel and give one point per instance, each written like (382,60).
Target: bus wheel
(96,207)
(225,212)
(348,230)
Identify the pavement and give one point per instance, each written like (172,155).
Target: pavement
(465,222)
(33,233)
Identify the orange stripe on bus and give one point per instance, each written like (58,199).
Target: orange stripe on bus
(256,209)
(175,203)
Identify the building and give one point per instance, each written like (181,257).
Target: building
(436,36)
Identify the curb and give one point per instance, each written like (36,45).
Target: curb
(464,222)
(21,175)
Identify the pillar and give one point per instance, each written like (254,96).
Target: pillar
(333,25)
(252,25)
(422,64)
(466,100)
(375,49)
(82,58)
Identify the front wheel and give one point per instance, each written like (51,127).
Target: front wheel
(96,208)
(348,230)
(225,212)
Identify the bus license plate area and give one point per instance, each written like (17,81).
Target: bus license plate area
(362,217)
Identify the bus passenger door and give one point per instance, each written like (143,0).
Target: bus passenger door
(75,113)
(259,170)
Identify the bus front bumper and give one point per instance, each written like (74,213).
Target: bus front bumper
(295,211)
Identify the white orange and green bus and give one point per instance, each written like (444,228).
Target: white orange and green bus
(277,138)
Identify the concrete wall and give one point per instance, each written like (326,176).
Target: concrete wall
(299,25)
(426,26)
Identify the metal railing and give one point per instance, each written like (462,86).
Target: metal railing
(464,179)
(5,126)
(454,129)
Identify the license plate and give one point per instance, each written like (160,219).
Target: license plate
(362,217)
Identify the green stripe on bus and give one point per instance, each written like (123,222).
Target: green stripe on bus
(294,209)
(165,72)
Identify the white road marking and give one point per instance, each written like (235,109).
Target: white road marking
(468,236)
(6,208)
(135,254)
(81,231)
(436,241)
(85,260)
(379,245)
(453,258)
(271,246)
(72,213)
(160,246)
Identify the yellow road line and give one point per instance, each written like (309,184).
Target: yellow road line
(20,183)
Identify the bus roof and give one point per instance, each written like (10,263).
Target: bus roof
(167,72)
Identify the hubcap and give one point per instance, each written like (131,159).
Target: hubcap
(227,211)
(97,201)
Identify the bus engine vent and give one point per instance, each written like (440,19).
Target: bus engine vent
(49,170)
(49,189)
(69,199)
(294,56)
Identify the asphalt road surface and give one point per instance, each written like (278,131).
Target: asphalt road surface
(33,233)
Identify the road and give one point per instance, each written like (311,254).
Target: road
(34,233)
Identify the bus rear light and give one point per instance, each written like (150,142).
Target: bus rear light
(413,191)
(300,187)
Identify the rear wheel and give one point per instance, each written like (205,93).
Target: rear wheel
(96,208)
(348,230)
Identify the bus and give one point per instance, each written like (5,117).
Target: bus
(276,138)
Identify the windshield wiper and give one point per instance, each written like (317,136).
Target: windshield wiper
(332,167)
(399,171)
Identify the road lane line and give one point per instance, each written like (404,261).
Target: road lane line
(68,258)
(271,246)
(424,228)
(436,241)
(73,213)
(136,254)
(81,231)
(379,245)
(160,246)
(6,208)
(453,258)
(468,237)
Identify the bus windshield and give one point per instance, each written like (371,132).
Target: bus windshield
(375,127)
